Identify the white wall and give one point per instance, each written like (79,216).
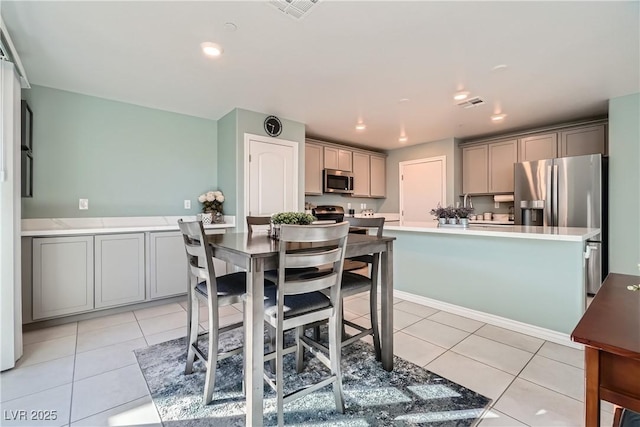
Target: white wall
(10,268)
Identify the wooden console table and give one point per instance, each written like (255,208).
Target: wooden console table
(610,330)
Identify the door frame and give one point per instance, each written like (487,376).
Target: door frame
(401,166)
(248,137)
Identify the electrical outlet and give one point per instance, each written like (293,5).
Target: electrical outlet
(496,205)
(83,204)
(187,204)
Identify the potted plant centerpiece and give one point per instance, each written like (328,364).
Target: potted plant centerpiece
(463,214)
(299,218)
(440,213)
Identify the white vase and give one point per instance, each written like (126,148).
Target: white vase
(452,220)
(207,218)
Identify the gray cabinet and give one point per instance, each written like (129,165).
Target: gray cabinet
(378,181)
(168,274)
(475,169)
(167,264)
(583,140)
(313,165)
(337,158)
(361,174)
(62,276)
(502,156)
(119,269)
(538,147)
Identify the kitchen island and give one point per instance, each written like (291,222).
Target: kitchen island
(530,279)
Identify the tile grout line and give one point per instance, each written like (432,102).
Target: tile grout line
(73,376)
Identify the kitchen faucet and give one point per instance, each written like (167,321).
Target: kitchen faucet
(464,201)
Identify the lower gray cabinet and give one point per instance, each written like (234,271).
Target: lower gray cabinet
(167,264)
(119,269)
(168,274)
(62,276)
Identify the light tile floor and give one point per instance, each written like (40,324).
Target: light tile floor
(87,373)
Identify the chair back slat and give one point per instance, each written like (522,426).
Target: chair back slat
(303,286)
(329,243)
(371,223)
(259,222)
(199,255)
(312,233)
(312,259)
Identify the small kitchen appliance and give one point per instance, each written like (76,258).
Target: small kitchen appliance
(337,181)
(329,213)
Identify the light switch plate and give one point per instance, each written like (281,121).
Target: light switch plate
(187,204)
(83,204)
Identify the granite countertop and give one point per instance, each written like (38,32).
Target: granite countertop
(105,225)
(567,234)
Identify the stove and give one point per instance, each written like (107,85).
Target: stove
(329,213)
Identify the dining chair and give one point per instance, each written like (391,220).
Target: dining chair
(257,221)
(298,301)
(355,283)
(215,292)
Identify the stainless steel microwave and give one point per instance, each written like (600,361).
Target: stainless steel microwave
(336,181)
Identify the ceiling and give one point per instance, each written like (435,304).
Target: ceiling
(345,61)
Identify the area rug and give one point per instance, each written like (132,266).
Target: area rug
(407,396)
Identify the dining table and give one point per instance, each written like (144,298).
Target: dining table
(256,253)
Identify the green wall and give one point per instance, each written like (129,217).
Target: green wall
(624,184)
(231,132)
(126,159)
(446,147)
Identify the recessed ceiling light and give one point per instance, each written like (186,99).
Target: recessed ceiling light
(230,26)
(500,67)
(498,117)
(361,126)
(459,96)
(211,49)
(403,138)
(403,100)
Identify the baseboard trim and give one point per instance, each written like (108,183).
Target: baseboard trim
(502,322)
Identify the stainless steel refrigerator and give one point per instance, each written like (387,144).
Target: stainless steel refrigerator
(567,192)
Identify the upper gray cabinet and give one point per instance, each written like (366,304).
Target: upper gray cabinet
(583,140)
(538,147)
(313,165)
(487,165)
(378,181)
(475,169)
(565,142)
(502,156)
(361,175)
(336,158)
(368,168)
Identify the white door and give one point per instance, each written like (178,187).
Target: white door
(422,187)
(272,176)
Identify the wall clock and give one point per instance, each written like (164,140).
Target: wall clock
(272,126)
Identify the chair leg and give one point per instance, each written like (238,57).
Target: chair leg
(192,331)
(299,349)
(280,376)
(373,308)
(212,357)
(271,345)
(335,347)
(316,333)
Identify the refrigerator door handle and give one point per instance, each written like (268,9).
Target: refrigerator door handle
(548,203)
(554,200)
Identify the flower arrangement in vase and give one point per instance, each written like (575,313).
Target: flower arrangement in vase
(212,207)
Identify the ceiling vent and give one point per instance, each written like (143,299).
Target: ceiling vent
(294,8)
(471,102)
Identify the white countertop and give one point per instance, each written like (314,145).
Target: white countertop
(567,234)
(75,226)
(387,216)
